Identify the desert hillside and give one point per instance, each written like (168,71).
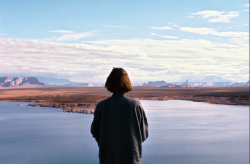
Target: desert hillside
(19,81)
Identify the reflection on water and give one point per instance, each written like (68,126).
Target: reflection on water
(191,132)
(180,132)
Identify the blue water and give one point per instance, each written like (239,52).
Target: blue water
(180,132)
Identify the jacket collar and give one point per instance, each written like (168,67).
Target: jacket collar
(118,95)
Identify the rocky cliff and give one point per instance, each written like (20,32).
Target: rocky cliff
(19,81)
(155,83)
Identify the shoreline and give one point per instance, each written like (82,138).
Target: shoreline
(84,99)
(88,108)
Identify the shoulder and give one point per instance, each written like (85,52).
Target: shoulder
(135,101)
(100,105)
(102,102)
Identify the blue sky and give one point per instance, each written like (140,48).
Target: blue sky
(153,40)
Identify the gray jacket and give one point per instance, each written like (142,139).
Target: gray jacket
(119,127)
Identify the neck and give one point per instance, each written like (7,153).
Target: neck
(118,93)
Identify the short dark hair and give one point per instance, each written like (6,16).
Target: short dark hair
(118,81)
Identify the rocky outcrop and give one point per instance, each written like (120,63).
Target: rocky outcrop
(155,83)
(186,84)
(247,84)
(19,81)
(241,84)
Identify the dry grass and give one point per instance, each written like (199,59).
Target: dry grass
(223,95)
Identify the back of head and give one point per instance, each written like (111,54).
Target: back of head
(118,81)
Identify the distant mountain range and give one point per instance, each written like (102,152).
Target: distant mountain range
(54,80)
(194,84)
(19,81)
(65,82)
(33,81)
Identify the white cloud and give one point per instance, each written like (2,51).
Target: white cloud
(116,26)
(110,26)
(162,28)
(201,31)
(2,34)
(144,59)
(217,16)
(247,5)
(211,31)
(164,36)
(75,36)
(63,31)
(68,35)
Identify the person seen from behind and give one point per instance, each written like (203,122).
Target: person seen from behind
(120,124)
